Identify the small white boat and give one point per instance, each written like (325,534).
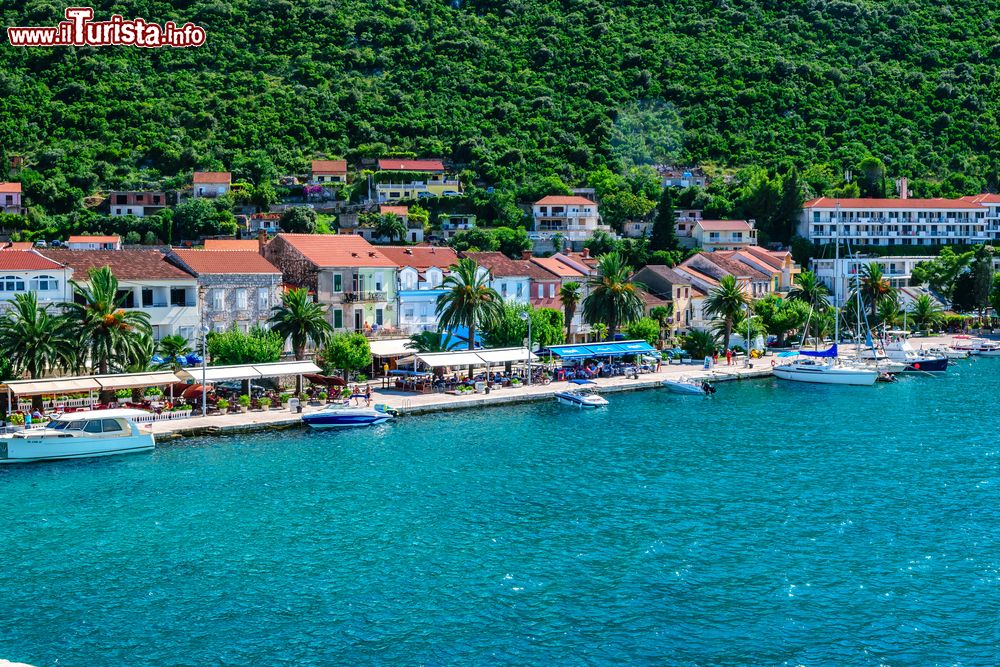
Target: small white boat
(79,435)
(582,397)
(941,350)
(976,346)
(690,387)
(347,416)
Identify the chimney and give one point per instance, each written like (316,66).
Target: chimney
(586,253)
(526,254)
(261,241)
(904,187)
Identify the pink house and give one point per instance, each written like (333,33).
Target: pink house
(10,198)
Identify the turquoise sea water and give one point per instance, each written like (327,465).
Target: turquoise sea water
(773,524)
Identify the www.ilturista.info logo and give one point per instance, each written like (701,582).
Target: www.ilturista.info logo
(80,30)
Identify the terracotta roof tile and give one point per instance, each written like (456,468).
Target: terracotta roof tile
(401,211)
(724,225)
(10,188)
(206,262)
(94,239)
(500,265)
(559,268)
(19,245)
(125,264)
(26,260)
(329,167)
(420,257)
(213,177)
(232,244)
(395,164)
(865,204)
(335,250)
(559,200)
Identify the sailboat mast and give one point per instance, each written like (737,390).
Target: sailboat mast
(836,279)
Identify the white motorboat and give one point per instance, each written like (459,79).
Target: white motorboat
(583,396)
(976,346)
(79,435)
(346,416)
(690,387)
(944,351)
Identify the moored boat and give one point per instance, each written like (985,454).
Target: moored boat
(79,435)
(582,397)
(346,416)
(690,387)
(824,368)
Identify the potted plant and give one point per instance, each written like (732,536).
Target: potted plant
(265,403)
(244,401)
(283,398)
(222,404)
(323,396)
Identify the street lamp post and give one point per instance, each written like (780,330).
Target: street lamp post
(204,371)
(527,318)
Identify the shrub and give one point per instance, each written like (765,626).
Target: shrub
(323,395)
(265,403)
(244,401)
(222,404)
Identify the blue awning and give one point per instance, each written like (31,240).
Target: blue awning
(622,349)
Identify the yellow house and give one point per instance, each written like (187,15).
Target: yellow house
(413,179)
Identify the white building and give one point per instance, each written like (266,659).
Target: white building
(212,183)
(723,234)
(575,218)
(28,271)
(94,243)
(888,222)
(421,274)
(453,223)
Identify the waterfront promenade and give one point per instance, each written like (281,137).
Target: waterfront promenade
(410,404)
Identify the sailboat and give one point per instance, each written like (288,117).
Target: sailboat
(823,367)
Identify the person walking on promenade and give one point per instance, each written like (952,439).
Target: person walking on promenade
(729,357)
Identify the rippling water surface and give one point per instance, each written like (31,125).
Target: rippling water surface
(774,524)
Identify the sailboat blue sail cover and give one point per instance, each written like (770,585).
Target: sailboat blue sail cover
(832,352)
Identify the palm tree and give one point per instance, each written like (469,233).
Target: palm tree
(614,297)
(727,302)
(172,348)
(430,341)
(925,312)
(110,337)
(468,301)
(739,324)
(874,287)
(662,316)
(390,226)
(700,344)
(569,294)
(300,319)
(34,340)
(889,313)
(809,289)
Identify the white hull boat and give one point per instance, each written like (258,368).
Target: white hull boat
(826,373)
(79,435)
(689,387)
(584,397)
(345,416)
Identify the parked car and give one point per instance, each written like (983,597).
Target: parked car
(451,193)
(425,195)
(41,244)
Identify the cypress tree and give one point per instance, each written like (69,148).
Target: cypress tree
(664,225)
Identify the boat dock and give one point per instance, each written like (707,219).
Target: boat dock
(408,404)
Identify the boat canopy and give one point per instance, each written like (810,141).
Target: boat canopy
(616,349)
(832,352)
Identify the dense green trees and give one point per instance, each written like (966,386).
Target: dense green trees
(257,346)
(345,352)
(299,220)
(513,93)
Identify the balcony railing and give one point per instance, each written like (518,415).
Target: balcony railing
(362,297)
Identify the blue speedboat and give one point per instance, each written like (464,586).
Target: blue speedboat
(346,416)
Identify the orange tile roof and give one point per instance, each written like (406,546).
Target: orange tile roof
(985,198)
(769,258)
(395,164)
(19,245)
(500,265)
(697,274)
(556,200)
(559,268)
(202,262)
(26,260)
(94,239)
(125,264)
(333,250)
(10,188)
(232,244)
(329,167)
(723,225)
(213,177)
(401,211)
(420,257)
(863,204)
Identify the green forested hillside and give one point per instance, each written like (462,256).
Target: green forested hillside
(511,91)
